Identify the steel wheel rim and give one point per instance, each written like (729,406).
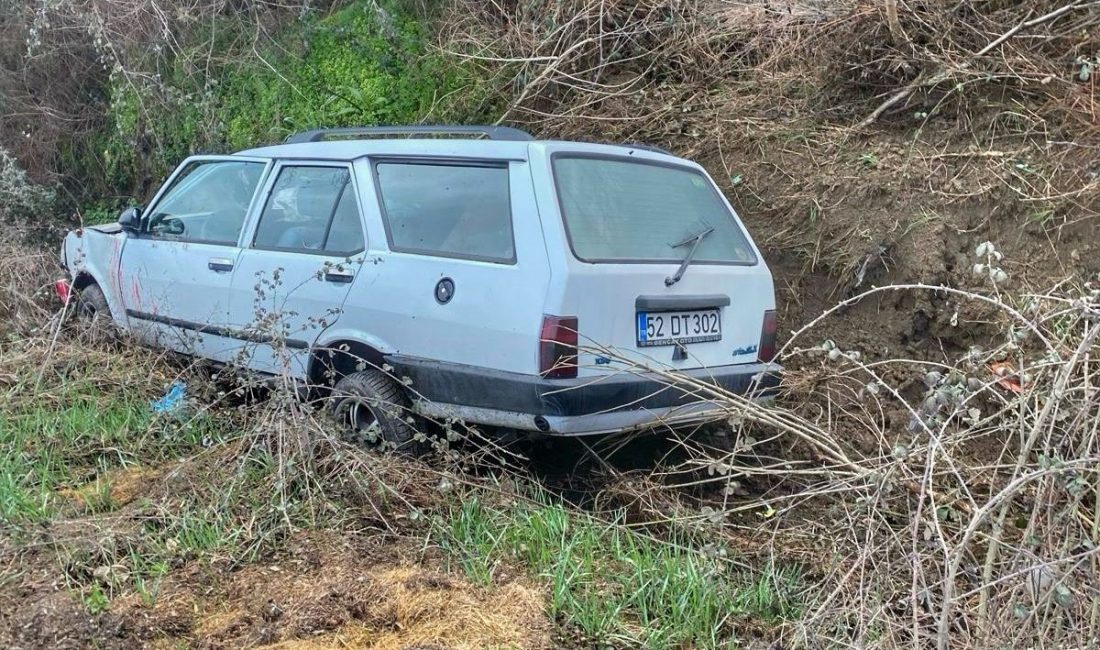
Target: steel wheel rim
(358,414)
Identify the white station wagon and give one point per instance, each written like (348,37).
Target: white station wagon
(542,286)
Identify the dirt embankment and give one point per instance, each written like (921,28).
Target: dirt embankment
(863,143)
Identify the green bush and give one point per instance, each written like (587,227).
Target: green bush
(356,67)
(361,65)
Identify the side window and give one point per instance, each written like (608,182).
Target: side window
(207,202)
(311,209)
(448,210)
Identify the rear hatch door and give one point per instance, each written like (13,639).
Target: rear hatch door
(626,220)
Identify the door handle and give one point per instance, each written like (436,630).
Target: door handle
(220,264)
(334,275)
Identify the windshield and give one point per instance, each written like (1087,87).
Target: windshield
(631,211)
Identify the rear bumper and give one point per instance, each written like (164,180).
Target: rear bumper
(612,402)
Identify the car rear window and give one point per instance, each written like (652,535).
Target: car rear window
(632,211)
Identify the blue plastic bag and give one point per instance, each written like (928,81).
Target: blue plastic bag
(172,400)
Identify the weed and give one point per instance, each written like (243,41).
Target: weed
(615,585)
(24,203)
(96,600)
(869,160)
(98,213)
(1042,216)
(39,442)
(925,216)
(146,574)
(366,63)
(74,442)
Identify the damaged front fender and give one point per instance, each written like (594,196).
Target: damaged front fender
(94,254)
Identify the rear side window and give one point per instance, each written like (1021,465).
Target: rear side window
(631,211)
(311,209)
(447,210)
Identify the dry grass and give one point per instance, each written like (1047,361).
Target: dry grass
(676,70)
(879,143)
(119,487)
(329,589)
(26,290)
(948,504)
(425,609)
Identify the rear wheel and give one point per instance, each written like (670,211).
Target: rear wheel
(375,408)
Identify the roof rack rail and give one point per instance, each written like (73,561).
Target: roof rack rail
(490,132)
(648,147)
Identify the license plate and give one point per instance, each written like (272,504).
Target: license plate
(671,327)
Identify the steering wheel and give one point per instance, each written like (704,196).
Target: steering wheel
(166,224)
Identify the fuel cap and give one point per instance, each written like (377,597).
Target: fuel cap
(444,291)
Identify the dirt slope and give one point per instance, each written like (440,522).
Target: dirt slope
(994,136)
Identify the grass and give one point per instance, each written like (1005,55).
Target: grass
(79,441)
(615,585)
(72,436)
(79,432)
(869,160)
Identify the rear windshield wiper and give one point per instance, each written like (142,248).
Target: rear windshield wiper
(694,240)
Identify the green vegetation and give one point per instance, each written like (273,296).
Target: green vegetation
(365,64)
(80,445)
(614,584)
(869,160)
(77,433)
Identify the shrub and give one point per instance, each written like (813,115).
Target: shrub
(223,80)
(22,203)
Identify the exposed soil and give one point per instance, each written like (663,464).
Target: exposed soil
(325,590)
(913,211)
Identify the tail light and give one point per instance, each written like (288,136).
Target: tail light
(766,351)
(558,347)
(63,290)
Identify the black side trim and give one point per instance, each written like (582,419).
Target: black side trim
(252,337)
(667,303)
(451,383)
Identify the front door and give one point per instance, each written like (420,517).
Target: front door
(175,272)
(297,265)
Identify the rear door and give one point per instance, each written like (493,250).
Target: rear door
(297,265)
(175,274)
(461,270)
(625,221)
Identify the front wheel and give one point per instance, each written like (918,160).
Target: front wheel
(373,406)
(91,309)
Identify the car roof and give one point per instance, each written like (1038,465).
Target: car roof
(346,150)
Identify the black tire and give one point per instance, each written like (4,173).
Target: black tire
(363,398)
(92,310)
